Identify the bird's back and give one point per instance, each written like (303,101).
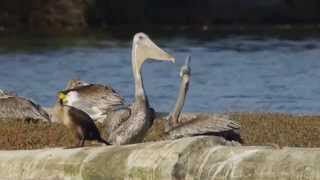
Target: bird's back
(15,107)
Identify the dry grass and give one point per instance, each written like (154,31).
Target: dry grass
(280,129)
(17,134)
(256,129)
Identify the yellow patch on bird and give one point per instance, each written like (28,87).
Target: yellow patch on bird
(63,97)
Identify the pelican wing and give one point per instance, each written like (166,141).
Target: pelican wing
(117,117)
(15,107)
(204,125)
(96,99)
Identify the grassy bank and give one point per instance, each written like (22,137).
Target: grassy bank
(279,129)
(256,129)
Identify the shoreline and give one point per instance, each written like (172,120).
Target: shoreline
(159,30)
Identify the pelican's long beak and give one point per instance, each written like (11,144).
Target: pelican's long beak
(187,61)
(185,69)
(156,53)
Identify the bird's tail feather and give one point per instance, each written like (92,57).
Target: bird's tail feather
(104,141)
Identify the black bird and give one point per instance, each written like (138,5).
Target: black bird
(78,121)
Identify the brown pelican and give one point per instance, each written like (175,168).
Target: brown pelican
(78,121)
(127,123)
(136,119)
(19,108)
(201,124)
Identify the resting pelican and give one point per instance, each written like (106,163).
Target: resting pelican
(131,129)
(78,121)
(200,124)
(127,123)
(20,108)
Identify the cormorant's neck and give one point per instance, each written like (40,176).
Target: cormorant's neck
(60,102)
(137,61)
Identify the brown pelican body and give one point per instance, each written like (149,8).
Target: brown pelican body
(78,121)
(129,125)
(19,108)
(201,124)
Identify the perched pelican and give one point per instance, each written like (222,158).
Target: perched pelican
(131,123)
(78,121)
(20,108)
(127,123)
(200,124)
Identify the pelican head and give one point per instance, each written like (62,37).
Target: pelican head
(185,69)
(76,83)
(144,48)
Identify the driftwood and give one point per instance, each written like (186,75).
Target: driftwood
(186,158)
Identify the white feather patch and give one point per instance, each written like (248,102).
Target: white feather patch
(72,97)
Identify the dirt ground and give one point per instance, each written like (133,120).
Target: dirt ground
(256,129)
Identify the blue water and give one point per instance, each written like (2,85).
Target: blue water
(230,73)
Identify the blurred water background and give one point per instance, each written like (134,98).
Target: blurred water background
(230,73)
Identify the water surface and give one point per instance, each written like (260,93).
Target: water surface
(229,73)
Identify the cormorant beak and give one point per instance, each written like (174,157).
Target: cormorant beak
(62,98)
(155,52)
